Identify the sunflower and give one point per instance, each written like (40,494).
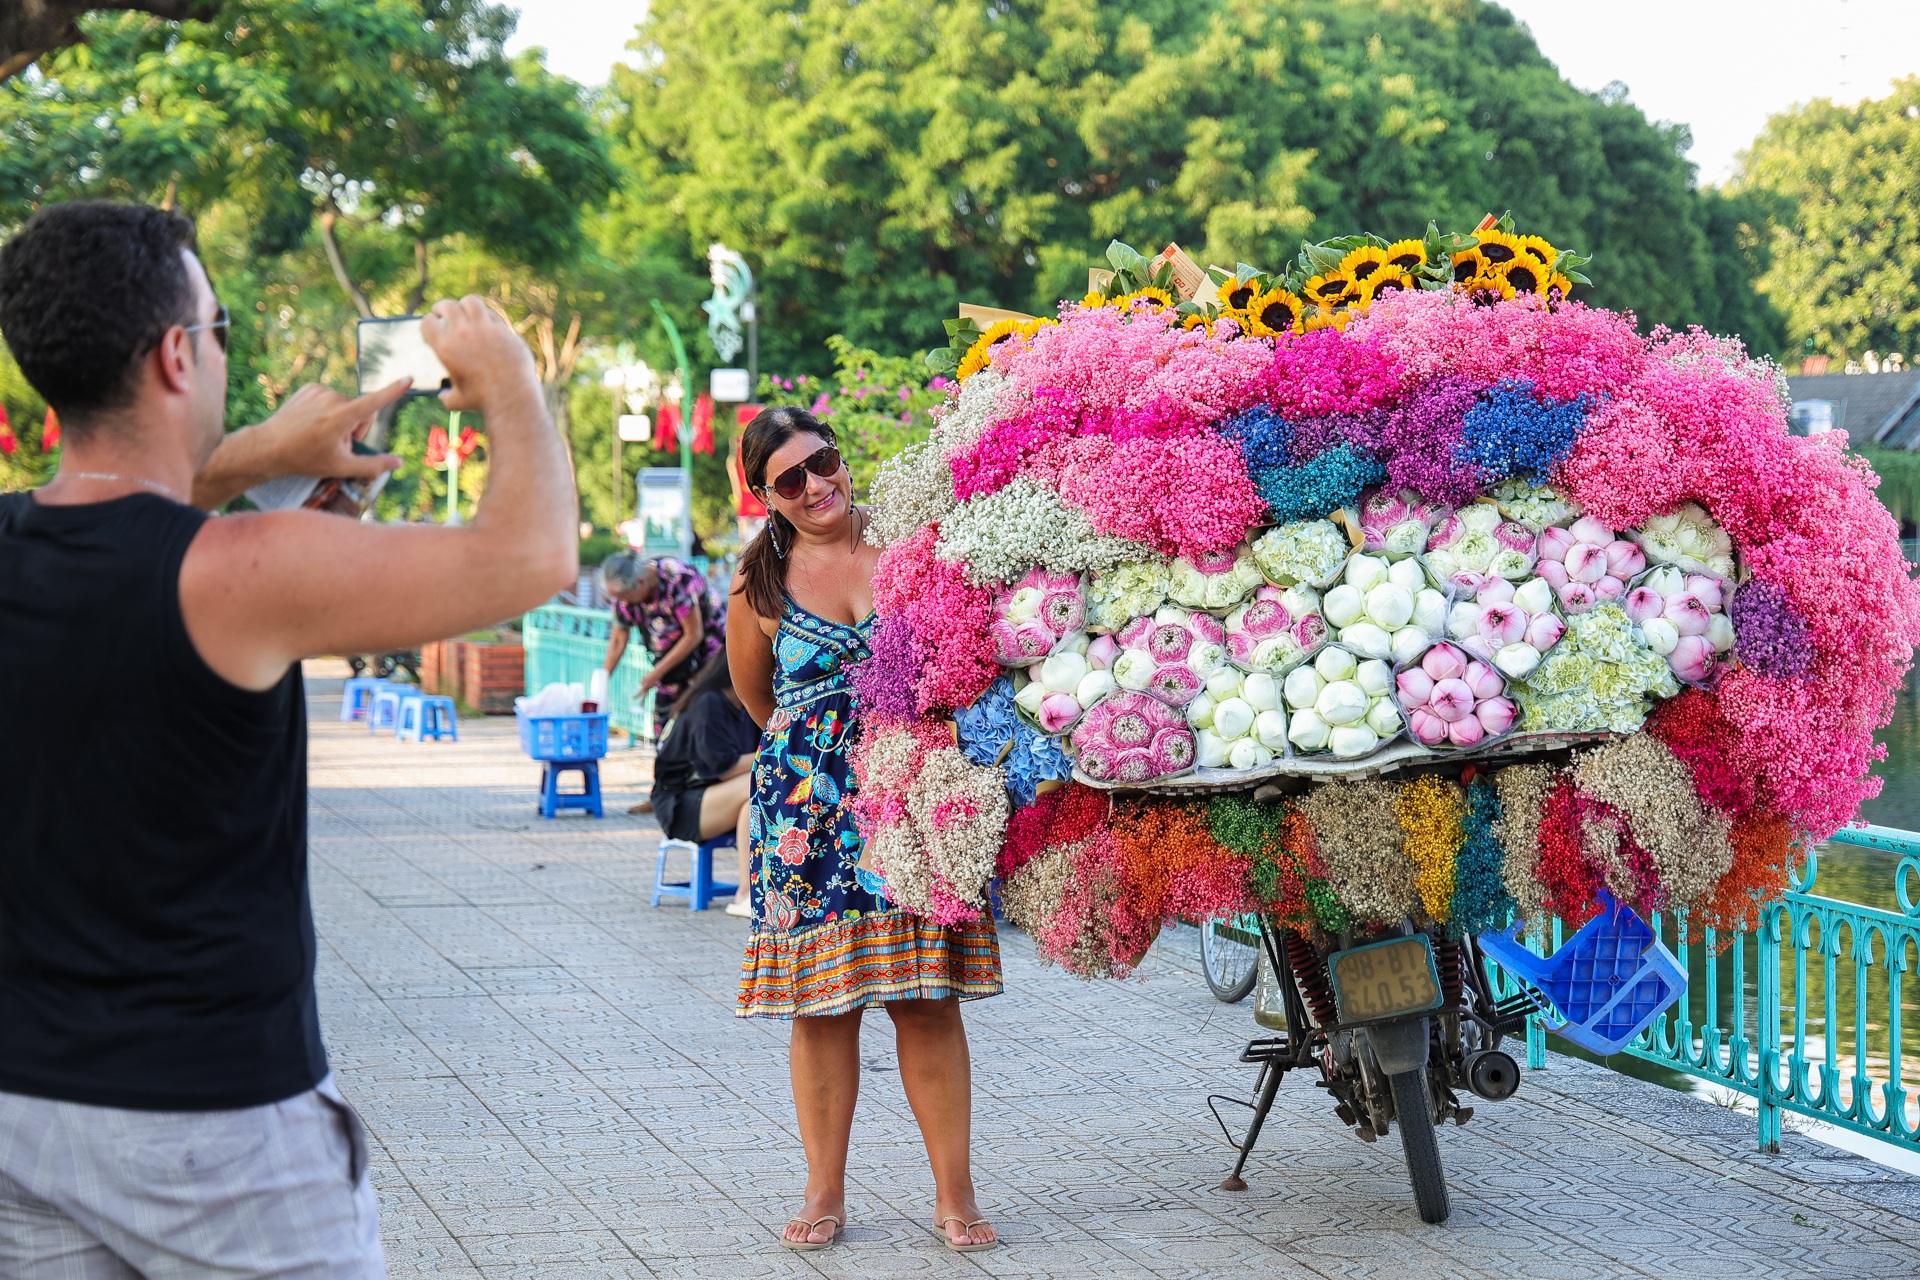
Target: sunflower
(1537,248)
(1499,248)
(982,349)
(1557,283)
(1389,280)
(1468,265)
(1156,299)
(1490,289)
(1406,254)
(1328,318)
(1237,295)
(1095,299)
(1329,288)
(1360,264)
(1275,312)
(1525,275)
(1197,320)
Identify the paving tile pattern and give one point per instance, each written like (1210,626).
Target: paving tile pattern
(558,1087)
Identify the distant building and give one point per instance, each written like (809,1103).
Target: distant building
(1872,408)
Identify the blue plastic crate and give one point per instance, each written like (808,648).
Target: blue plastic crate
(579,737)
(1608,982)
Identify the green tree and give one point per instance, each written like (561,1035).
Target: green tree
(877,405)
(1845,242)
(880,162)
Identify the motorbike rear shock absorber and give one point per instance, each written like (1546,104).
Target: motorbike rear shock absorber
(1449,957)
(1310,974)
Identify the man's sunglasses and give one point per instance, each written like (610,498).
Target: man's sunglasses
(219,325)
(792,482)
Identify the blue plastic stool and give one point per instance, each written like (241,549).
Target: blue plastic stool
(699,889)
(553,799)
(1608,982)
(427,715)
(356,698)
(386,706)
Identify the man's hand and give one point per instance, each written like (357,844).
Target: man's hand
(482,353)
(310,434)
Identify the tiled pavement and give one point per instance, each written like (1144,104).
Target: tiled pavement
(558,1087)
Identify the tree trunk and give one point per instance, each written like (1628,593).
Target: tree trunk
(339,264)
(418,294)
(30,28)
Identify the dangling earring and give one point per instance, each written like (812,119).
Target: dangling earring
(773,534)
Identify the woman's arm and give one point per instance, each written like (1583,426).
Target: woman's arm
(739,766)
(616,645)
(750,656)
(692,631)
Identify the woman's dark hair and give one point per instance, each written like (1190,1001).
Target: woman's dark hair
(87,289)
(763,570)
(715,677)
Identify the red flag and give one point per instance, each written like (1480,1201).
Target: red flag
(666,427)
(436,446)
(469,441)
(50,432)
(7,443)
(703,424)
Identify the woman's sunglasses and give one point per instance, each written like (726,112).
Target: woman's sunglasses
(791,483)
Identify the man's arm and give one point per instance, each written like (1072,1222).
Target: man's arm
(310,434)
(264,589)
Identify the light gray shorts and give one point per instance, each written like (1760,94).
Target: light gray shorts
(107,1193)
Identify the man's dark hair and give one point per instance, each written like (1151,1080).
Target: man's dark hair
(87,289)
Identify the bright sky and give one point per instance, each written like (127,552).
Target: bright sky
(1720,66)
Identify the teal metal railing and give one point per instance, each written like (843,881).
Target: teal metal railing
(566,644)
(1809,1012)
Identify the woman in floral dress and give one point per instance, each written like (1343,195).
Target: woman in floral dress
(826,942)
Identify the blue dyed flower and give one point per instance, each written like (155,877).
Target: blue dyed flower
(1513,431)
(1480,899)
(1263,436)
(1330,481)
(992,733)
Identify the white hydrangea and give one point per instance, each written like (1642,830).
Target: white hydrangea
(1001,535)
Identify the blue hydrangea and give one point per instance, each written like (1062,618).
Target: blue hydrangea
(1512,431)
(1262,436)
(1480,900)
(990,724)
(1330,481)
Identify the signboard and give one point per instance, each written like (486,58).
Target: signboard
(729,386)
(635,428)
(666,512)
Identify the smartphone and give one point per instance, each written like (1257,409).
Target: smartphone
(395,348)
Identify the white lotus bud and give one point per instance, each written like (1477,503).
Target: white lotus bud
(1204,656)
(1344,605)
(1210,750)
(1351,741)
(1224,682)
(1024,604)
(1248,754)
(1365,637)
(1517,660)
(1390,606)
(1303,687)
(1335,664)
(1407,575)
(1200,710)
(1031,695)
(1270,729)
(1063,672)
(1409,643)
(1535,595)
(1341,703)
(1232,718)
(1430,612)
(1382,718)
(1169,615)
(1134,669)
(1720,632)
(1094,686)
(1374,677)
(1299,601)
(1463,620)
(1364,572)
(1307,730)
(1661,636)
(1078,642)
(1261,691)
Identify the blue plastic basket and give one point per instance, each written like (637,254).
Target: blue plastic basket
(1608,982)
(579,737)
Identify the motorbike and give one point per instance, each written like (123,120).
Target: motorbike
(1398,1023)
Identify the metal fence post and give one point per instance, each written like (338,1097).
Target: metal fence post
(1768,1032)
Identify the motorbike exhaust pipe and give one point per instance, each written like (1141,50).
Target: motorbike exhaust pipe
(1492,1074)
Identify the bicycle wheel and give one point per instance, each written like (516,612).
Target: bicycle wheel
(1229,956)
(1413,1114)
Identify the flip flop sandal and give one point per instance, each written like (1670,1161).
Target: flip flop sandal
(809,1246)
(972,1246)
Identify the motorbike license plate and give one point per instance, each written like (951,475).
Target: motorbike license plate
(1385,979)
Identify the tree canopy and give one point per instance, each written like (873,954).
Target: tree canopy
(880,162)
(1844,239)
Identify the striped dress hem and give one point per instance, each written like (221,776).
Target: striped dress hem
(870,959)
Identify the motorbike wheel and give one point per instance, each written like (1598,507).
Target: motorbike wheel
(1413,1111)
(1230,957)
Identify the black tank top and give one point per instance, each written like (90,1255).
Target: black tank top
(156,942)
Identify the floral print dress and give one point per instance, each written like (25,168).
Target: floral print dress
(661,621)
(825,938)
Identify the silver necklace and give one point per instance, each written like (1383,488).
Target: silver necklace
(154,485)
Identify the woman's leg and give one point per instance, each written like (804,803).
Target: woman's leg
(825,1061)
(723,808)
(934,1067)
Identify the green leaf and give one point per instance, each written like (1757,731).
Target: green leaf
(943,360)
(1128,261)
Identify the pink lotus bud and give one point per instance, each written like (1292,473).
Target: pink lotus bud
(1692,658)
(1102,652)
(1133,766)
(1688,615)
(1624,559)
(1609,588)
(1469,582)
(1575,597)
(1175,684)
(1707,588)
(1207,627)
(1465,732)
(1452,700)
(1495,716)
(1264,618)
(1586,562)
(1134,634)
(1064,611)
(1555,543)
(1497,591)
(1544,631)
(1553,572)
(1502,625)
(1477,647)
(1416,686)
(1428,729)
(1130,725)
(1445,533)
(1057,711)
(1095,759)
(1169,642)
(1020,642)
(1310,631)
(1484,680)
(1173,750)
(1590,529)
(1443,662)
(1214,562)
(1240,646)
(1514,536)
(1643,603)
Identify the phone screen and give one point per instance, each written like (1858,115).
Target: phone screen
(391,349)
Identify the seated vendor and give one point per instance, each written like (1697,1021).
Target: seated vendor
(703,773)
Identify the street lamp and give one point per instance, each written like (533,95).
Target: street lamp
(640,385)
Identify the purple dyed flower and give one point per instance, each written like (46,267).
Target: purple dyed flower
(883,682)
(1769,634)
(1421,435)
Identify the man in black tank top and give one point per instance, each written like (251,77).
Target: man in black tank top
(165,1102)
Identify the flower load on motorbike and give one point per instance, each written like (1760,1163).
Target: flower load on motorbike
(1396,584)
